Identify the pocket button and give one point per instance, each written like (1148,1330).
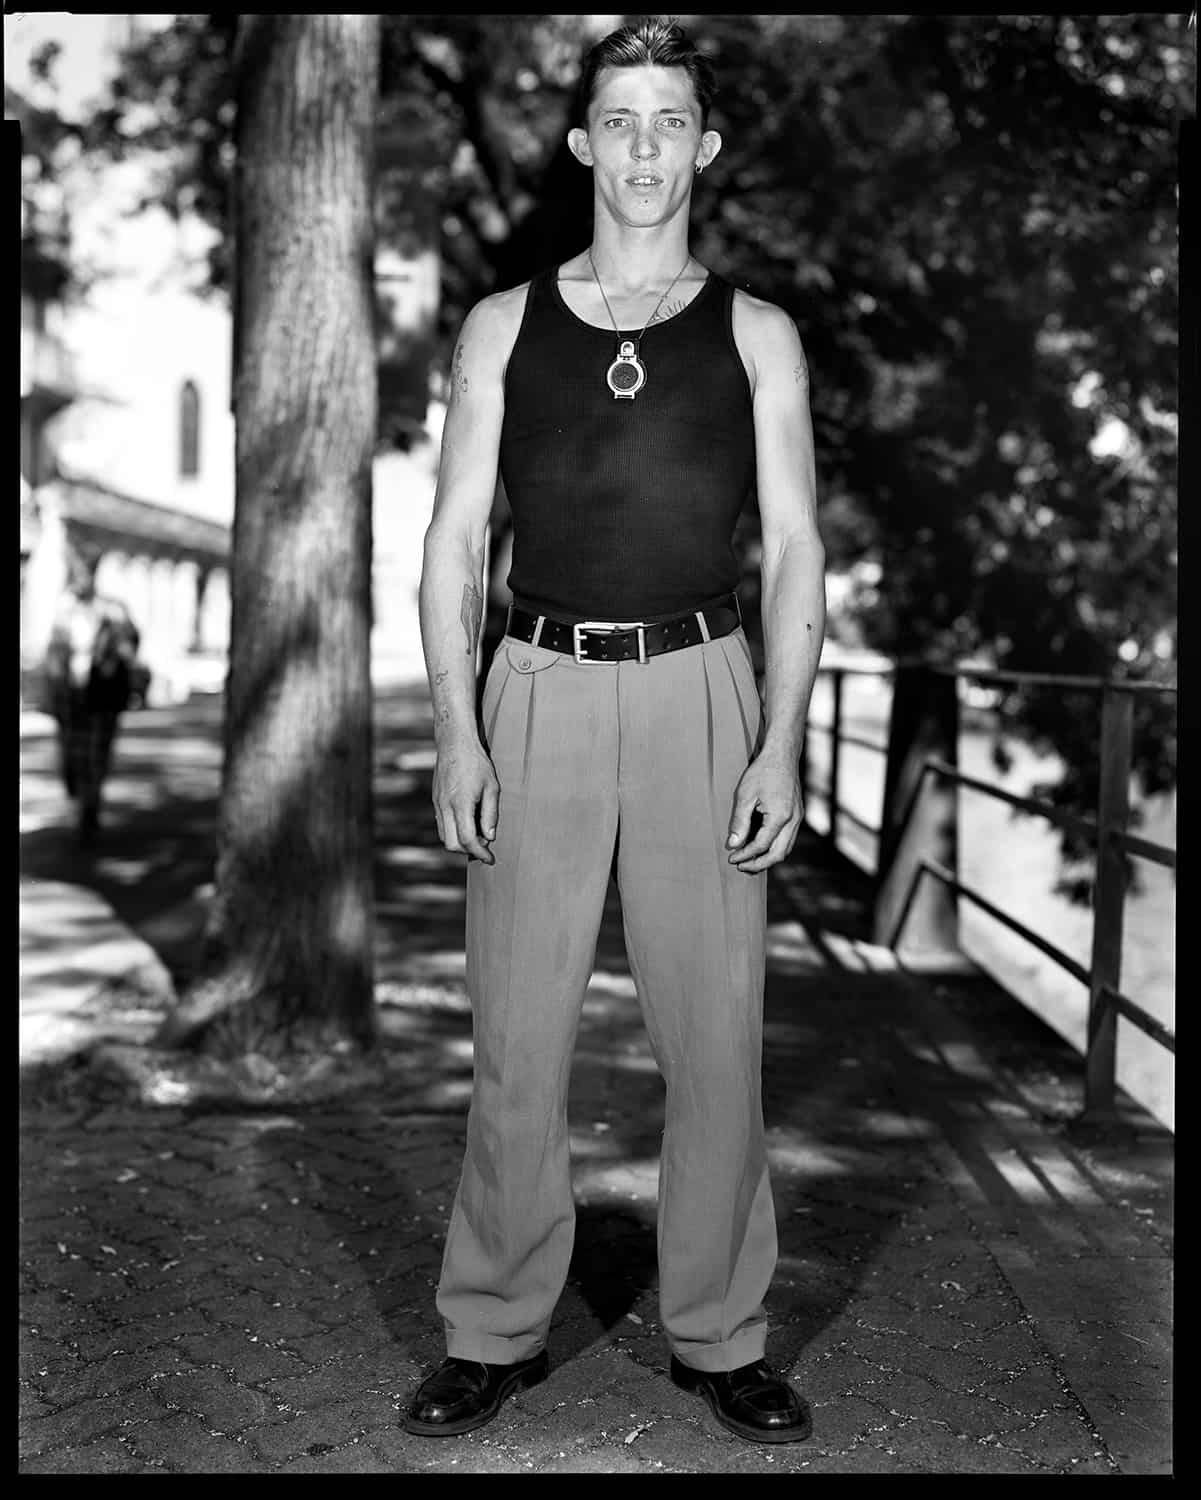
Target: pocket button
(524,664)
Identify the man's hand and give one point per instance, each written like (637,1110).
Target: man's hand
(464,781)
(772,787)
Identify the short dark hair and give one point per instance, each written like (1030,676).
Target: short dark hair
(655,43)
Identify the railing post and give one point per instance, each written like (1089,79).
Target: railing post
(835,754)
(920,818)
(1109,899)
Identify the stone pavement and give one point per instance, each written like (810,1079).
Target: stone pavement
(971,1278)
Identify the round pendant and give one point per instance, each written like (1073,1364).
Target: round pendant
(627,374)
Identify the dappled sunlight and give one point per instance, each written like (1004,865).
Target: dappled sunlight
(790,948)
(415,995)
(800,1158)
(127,871)
(888,1125)
(62,912)
(419,758)
(631,1060)
(412,855)
(440,964)
(425,891)
(607,992)
(460,1049)
(634,1181)
(594,1142)
(872,1105)
(449,1093)
(959,1057)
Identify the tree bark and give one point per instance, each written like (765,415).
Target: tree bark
(288,946)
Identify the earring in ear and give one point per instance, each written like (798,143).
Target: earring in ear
(699,169)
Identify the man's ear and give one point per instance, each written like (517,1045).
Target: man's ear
(578,144)
(710,146)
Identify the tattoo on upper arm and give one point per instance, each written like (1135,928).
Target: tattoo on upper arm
(458,379)
(471,612)
(801,373)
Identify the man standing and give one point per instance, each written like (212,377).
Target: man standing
(632,400)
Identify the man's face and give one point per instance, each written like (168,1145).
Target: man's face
(643,142)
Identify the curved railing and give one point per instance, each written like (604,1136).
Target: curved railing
(918,834)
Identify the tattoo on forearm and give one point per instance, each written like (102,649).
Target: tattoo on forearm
(458,379)
(471,612)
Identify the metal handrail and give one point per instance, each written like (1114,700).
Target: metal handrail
(1067,821)
(1157,853)
(853,739)
(1001,674)
(1108,834)
(940,872)
(1050,679)
(1140,1018)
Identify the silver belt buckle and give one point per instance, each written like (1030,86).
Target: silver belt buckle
(605,627)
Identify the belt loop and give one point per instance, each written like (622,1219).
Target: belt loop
(537,635)
(700,620)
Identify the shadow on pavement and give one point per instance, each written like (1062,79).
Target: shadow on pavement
(252,1288)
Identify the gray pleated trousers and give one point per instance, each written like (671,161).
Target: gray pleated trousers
(581,750)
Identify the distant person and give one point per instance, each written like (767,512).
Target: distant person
(90,669)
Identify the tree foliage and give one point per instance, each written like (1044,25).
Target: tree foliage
(972,220)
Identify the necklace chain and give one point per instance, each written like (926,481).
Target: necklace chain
(658,305)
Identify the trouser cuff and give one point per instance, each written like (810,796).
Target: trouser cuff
(743,1349)
(490,1348)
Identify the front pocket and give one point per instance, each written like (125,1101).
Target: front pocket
(524,658)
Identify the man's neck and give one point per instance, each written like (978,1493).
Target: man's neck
(630,261)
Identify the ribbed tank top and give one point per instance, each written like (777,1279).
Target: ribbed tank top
(625,510)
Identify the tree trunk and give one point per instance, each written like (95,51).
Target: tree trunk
(288,949)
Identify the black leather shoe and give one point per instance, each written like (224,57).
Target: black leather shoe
(463,1394)
(750,1401)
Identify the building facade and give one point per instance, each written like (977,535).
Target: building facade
(127,431)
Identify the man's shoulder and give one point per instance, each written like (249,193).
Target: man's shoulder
(766,335)
(762,318)
(498,312)
(490,330)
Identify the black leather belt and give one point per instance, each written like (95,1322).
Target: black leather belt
(625,640)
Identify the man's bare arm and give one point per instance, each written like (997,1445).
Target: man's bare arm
(451,598)
(793,600)
(793,558)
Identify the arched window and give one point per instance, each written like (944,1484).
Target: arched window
(189,430)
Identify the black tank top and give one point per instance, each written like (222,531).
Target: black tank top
(625,510)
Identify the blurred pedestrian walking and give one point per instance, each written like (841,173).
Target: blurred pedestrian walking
(91,663)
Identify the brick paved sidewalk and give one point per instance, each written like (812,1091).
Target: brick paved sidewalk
(969,1280)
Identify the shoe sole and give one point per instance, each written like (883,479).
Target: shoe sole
(742,1429)
(535,1375)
